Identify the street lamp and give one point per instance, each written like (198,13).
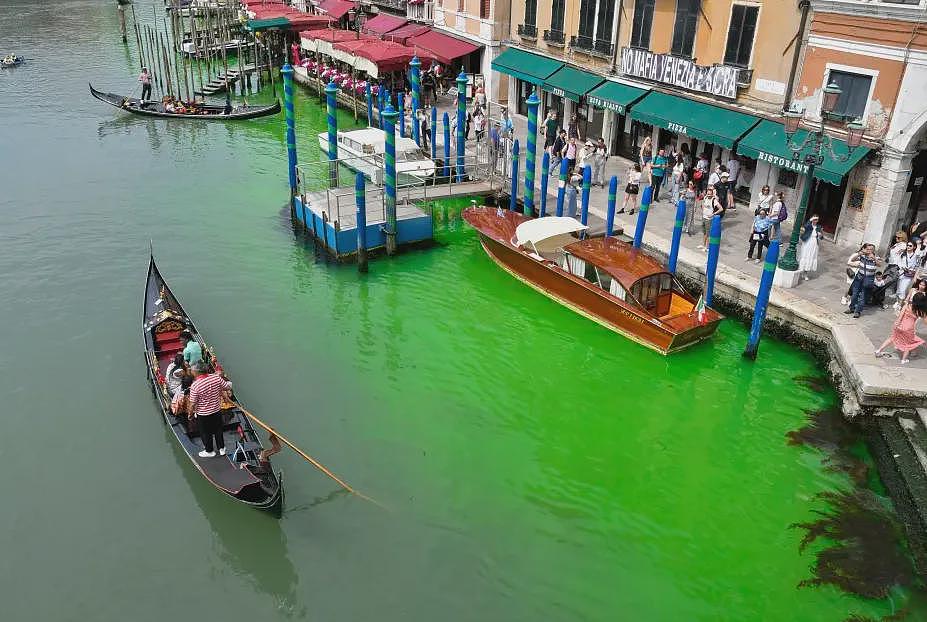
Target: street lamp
(810,151)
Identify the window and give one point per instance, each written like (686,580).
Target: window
(484,9)
(531,12)
(587,18)
(605,21)
(642,24)
(687,12)
(740,35)
(855,93)
(556,15)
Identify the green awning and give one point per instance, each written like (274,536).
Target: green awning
(271,22)
(712,124)
(614,96)
(525,66)
(767,142)
(571,83)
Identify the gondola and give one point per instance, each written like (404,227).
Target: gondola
(240,473)
(205,112)
(11,61)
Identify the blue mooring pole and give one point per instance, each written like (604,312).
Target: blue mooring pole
(714,249)
(331,91)
(369,97)
(360,199)
(434,133)
(532,151)
(389,190)
(642,216)
(415,78)
(584,198)
(287,72)
(612,199)
(561,186)
(677,235)
(447,148)
(545,177)
(461,124)
(380,106)
(762,299)
(513,198)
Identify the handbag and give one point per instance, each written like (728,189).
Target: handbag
(632,188)
(757,236)
(698,174)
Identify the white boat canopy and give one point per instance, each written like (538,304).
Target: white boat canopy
(548,234)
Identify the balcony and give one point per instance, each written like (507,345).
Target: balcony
(528,31)
(420,11)
(554,37)
(593,47)
(397,5)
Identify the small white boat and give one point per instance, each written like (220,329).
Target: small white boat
(362,150)
(232,45)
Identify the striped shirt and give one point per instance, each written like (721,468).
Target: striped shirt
(206,394)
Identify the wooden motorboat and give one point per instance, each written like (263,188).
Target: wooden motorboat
(604,279)
(201,111)
(240,474)
(362,150)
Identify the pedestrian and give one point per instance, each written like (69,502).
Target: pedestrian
(657,172)
(423,129)
(865,262)
(759,237)
(145,79)
(599,159)
(585,154)
(569,154)
(904,332)
(686,156)
(645,154)
(550,129)
(556,151)
(572,191)
(573,127)
(467,126)
(678,178)
(778,213)
(896,249)
(811,235)
(495,143)
(206,403)
(764,200)
(723,192)
(733,168)
(632,188)
(508,128)
(909,262)
(690,194)
(479,124)
(700,174)
(711,207)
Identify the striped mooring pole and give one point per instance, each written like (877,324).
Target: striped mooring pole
(642,216)
(714,249)
(461,124)
(513,197)
(287,72)
(612,200)
(545,178)
(677,235)
(360,200)
(381,105)
(415,78)
(762,299)
(584,199)
(331,91)
(532,151)
(561,186)
(434,133)
(446,169)
(389,192)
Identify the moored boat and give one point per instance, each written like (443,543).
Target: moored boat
(363,151)
(605,279)
(11,60)
(198,111)
(241,473)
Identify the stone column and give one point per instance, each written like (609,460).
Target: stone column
(886,200)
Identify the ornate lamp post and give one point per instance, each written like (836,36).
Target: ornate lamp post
(811,152)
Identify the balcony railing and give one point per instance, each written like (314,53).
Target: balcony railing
(420,11)
(596,47)
(528,31)
(554,37)
(393,4)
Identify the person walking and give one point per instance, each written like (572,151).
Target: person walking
(479,124)
(904,336)
(759,237)
(778,213)
(585,155)
(678,178)
(909,262)
(206,404)
(556,152)
(657,173)
(690,194)
(733,169)
(569,154)
(573,127)
(632,188)
(645,154)
(865,262)
(423,128)
(550,129)
(723,192)
(808,251)
(572,192)
(145,79)
(599,159)
(711,207)
(700,174)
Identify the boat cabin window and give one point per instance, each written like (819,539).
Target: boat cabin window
(660,294)
(368,149)
(616,290)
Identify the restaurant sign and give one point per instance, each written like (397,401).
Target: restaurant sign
(717,80)
(788,163)
(607,104)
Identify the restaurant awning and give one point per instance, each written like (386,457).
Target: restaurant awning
(614,96)
(444,48)
(278,16)
(712,124)
(402,35)
(571,83)
(336,8)
(373,56)
(767,142)
(322,40)
(526,66)
(384,23)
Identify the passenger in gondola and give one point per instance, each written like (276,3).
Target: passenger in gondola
(192,351)
(180,405)
(175,374)
(206,403)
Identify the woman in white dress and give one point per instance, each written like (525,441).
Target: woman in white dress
(808,252)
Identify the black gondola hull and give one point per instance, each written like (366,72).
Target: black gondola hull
(154,109)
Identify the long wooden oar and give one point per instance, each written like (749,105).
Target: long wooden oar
(308,458)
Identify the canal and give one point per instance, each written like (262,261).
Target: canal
(535,466)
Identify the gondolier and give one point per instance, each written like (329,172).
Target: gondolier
(145,79)
(206,404)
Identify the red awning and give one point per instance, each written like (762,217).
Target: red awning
(386,55)
(336,9)
(384,23)
(305,21)
(251,3)
(443,47)
(335,35)
(402,35)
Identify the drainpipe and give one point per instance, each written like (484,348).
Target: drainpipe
(615,34)
(804,6)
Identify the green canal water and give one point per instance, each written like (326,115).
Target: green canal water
(534,465)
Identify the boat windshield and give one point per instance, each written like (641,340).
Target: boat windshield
(408,155)
(662,295)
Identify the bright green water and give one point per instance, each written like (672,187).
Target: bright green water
(536,466)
